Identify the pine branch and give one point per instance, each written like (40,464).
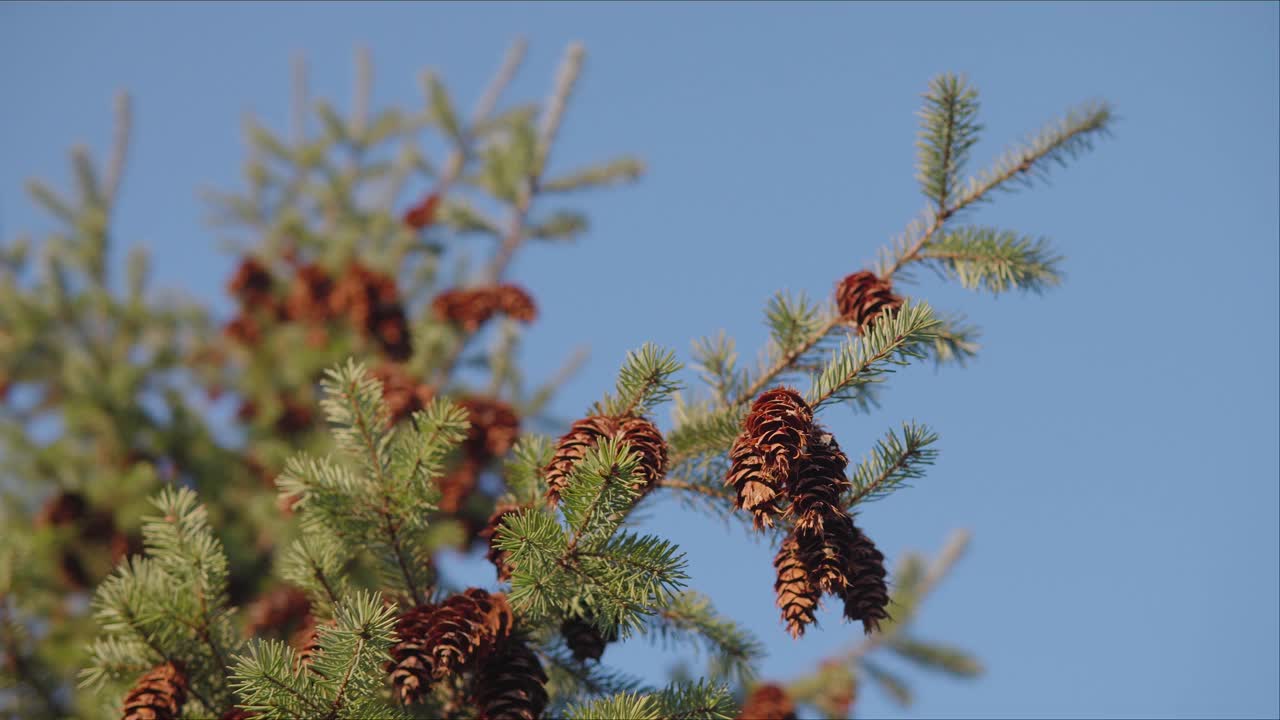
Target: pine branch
(645,380)
(734,650)
(892,340)
(948,130)
(892,463)
(599,493)
(995,260)
(955,340)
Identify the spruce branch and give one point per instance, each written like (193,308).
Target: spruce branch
(892,463)
(645,380)
(955,340)
(733,650)
(995,260)
(601,489)
(892,340)
(948,130)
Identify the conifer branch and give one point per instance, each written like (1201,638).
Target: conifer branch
(644,380)
(734,650)
(893,462)
(891,340)
(948,129)
(995,260)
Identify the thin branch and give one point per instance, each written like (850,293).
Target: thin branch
(119,147)
(787,361)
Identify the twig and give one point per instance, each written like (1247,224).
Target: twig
(119,147)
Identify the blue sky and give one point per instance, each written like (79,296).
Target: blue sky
(1113,449)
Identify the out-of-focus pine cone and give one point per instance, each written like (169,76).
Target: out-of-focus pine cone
(124,545)
(423,213)
(243,329)
(489,534)
(65,508)
(251,284)
(443,639)
(584,639)
(305,641)
(768,450)
(280,608)
(236,713)
(515,302)
(294,417)
(371,303)
(469,309)
(494,427)
(863,296)
(157,695)
(640,434)
(404,394)
(308,299)
(457,486)
(768,702)
(798,594)
(818,482)
(511,684)
(390,329)
(71,569)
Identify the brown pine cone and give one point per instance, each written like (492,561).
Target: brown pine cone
(798,595)
(63,509)
(584,639)
(305,641)
(423,213)
(816,486)
(236,713)
(71,569)
(390,327)
(157,695)
(457,486)
(469,309)
(640,434)
(251,284)
(863,296)
(403,394)
(494,427)
(514,302)
(489,534)
(243,329)
(308,299)
(444,639)
(768,702)
(277,610)
(294,417)
(511,684)
(767,451)
(865,595)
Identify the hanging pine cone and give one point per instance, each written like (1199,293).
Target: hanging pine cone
(798,595)
(456,487)
(863,296)
(584,639)
(494,428)
(444,639)
(390,328)
(157,695)
(305,641)
(818,482)
(251,284)
(423,213)
(640,434)
(308,299)
(511,684)
(514,302)
(403,394)
(768,702)
(279,609)
(468,309)
(243,329)
(371,303)
(865,595)
(294,417)
(496,555)
(65,508)
(767,450)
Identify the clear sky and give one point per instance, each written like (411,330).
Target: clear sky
(1114,449)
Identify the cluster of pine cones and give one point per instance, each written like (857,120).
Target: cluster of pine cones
(470,634)
(784,466)
(471,308)
(367,299)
